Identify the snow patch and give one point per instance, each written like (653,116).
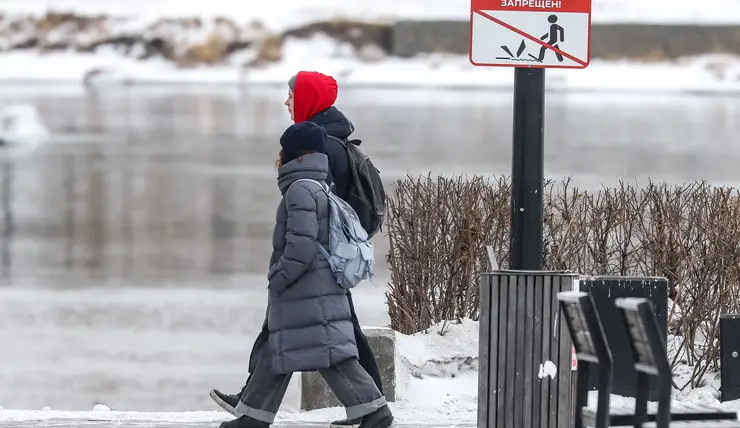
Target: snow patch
(444,350)
(101,408)
(21,126)
(437,372)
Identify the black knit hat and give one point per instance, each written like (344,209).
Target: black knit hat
(301,138)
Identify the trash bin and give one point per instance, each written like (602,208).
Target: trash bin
(729,351)
(525,379)
(604,290)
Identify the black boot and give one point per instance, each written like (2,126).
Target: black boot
(381,418)
(244,422)
(346,423)
(228,402)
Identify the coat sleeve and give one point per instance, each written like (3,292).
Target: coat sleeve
(302,232)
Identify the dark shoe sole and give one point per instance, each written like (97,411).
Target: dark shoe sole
(224,405)
(343,425)
(385,423)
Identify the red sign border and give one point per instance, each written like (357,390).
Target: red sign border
(567,8)
(580,66)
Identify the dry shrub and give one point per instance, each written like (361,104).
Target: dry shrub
(354,32)
(438,230)
(269,49)
(186,42)
(210,51)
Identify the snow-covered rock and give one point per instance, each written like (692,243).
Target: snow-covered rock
(101,76)
(437,371)
(22,126)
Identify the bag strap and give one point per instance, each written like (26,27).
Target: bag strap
(323,185)
(341,141)
(346,142)
(328,194)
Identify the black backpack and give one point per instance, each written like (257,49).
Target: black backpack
(366,194)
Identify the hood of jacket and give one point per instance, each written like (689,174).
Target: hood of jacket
(312,166)
(314,92)
(334,122)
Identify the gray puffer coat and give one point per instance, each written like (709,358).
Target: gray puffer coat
(308,313)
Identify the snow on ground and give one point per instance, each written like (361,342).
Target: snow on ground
(436,379)
(708,394)
(437,382)
(279,14)
(709,73)
(438,370)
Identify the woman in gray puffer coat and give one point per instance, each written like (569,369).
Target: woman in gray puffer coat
(308,313)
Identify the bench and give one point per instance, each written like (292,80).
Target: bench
(592,350)
(650,359)
(624,415)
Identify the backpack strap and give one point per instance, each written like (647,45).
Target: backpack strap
(346,141)
(341,141)
(326,190)
(323,185)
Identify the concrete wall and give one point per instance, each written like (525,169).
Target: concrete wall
(315,393)
(608,41)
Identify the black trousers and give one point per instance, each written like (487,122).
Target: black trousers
(365,353)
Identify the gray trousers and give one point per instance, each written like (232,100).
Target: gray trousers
(354,388)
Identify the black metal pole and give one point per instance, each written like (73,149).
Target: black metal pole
(527,172)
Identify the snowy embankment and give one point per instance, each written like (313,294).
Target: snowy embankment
(710,74)
(144,42)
